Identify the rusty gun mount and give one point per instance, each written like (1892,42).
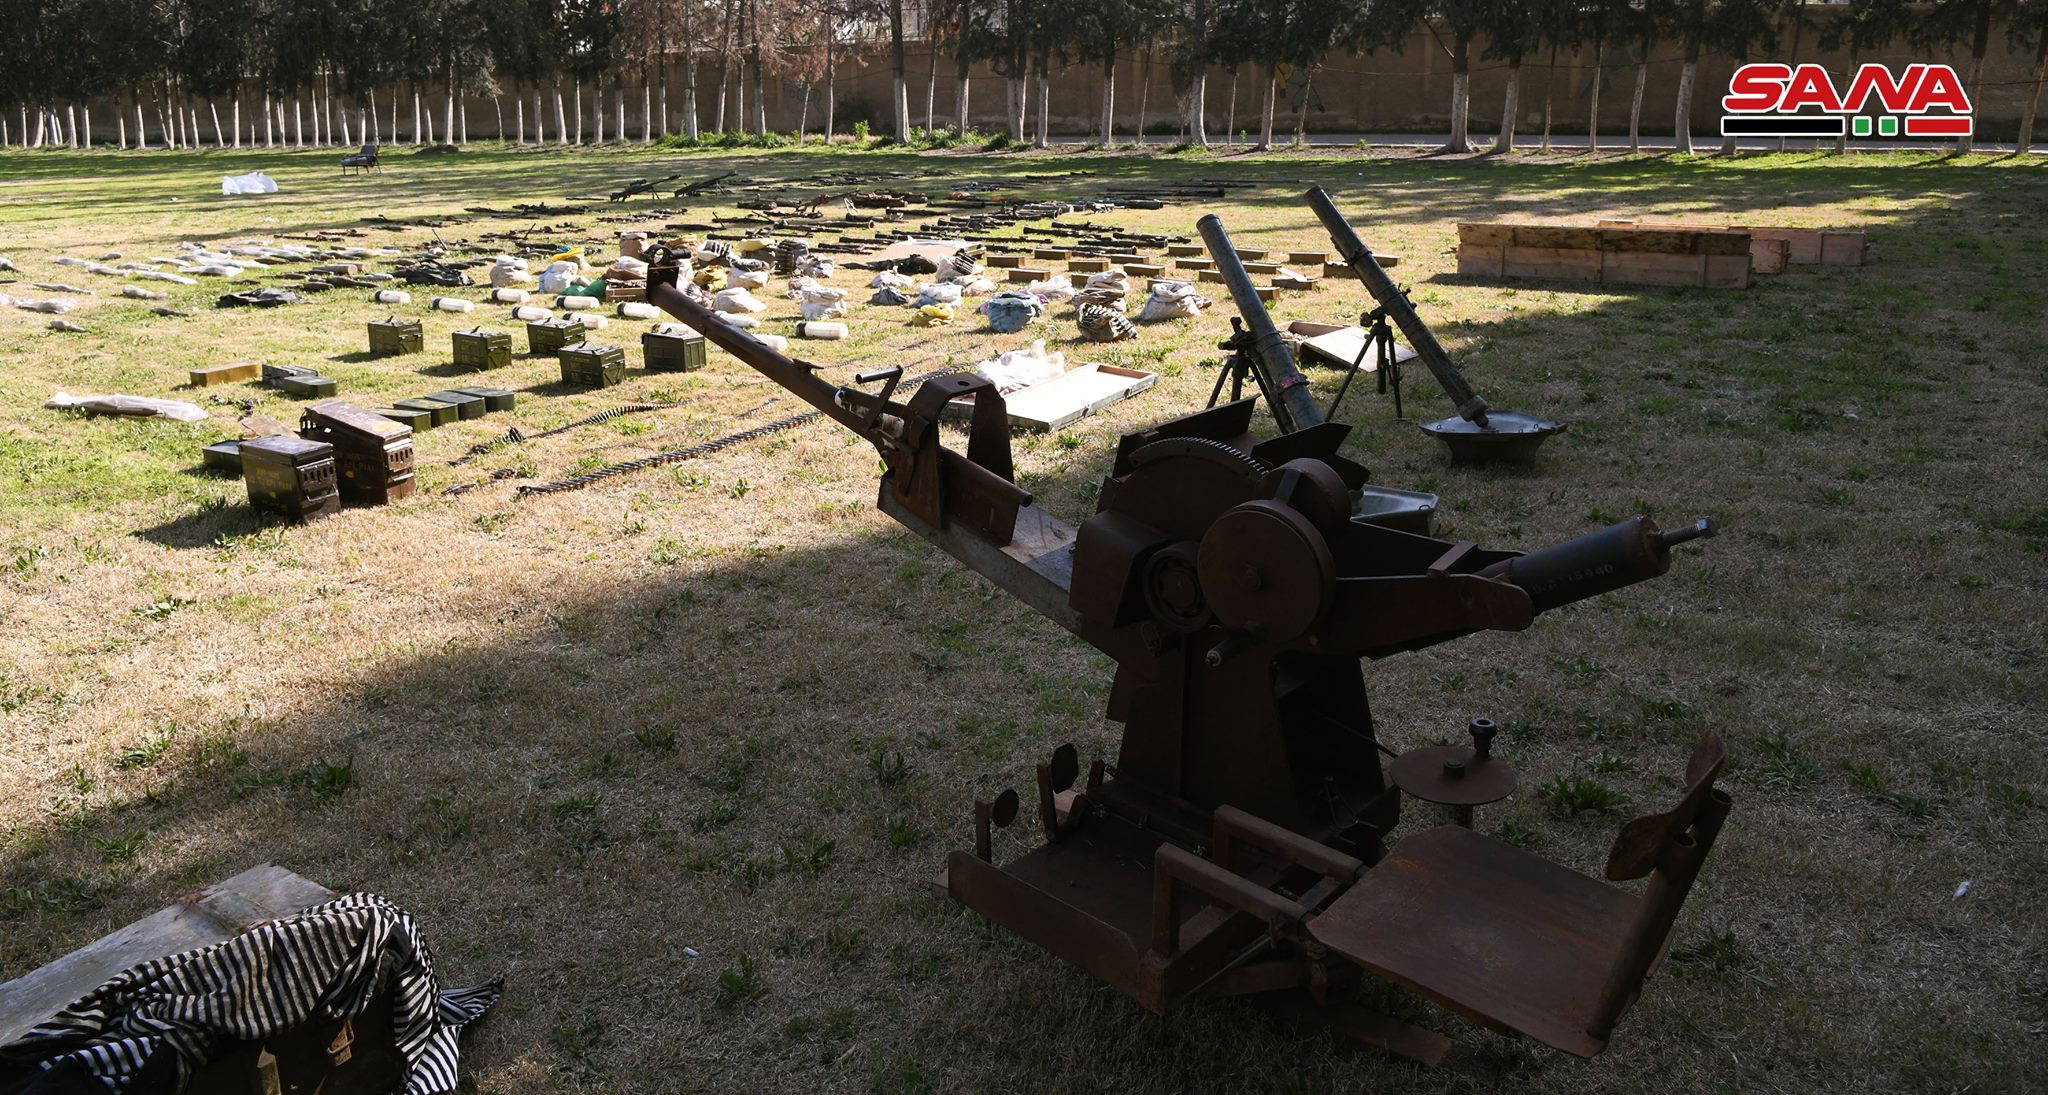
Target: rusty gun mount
(1228,579)
(1478,433)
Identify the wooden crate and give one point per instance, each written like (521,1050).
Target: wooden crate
(210,915)
(1774,248)
(1607,254)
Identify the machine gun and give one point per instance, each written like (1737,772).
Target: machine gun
(1238,844)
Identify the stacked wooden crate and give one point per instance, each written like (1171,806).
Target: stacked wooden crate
(1714,258)
(1772,250)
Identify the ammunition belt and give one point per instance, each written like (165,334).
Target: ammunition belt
(704,448)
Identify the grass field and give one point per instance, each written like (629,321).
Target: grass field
(576,734)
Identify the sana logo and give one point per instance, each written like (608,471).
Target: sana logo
(1772,100)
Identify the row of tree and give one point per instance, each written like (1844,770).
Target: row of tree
(342,71)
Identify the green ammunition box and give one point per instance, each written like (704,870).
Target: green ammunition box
(417,419)
(305,387)
(290,476)
(223,456)
(466,406)
(589,365)
(443,413)
(477,348)
(396,336)
(672,348)
(495,399)
(548,336)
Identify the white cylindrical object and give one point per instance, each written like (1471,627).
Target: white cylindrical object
(819,329)
(591,321)
(509,296)
(391,296)
(453,304)
(638,309)
(529,313)
(576,304)
(776,343)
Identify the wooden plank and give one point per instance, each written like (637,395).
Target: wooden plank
(1262,268)
(1557,263)
(1474,260)
(1803,244)
(1194,264)
(1768,256)
(1005,262)
(1308,258)
(211,915)
(1842,248)
(1726,271)
(1386,262)
(1029,273)
(1733,241)
(1072,395)
(1486,235)
(1654,241)
(1185,250)
(211,375)
(1556,237)
(1645,268)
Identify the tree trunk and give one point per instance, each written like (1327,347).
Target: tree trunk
(1301,119)
(298,122)
(1044,101)
(1549,83)
(1513,105)
(394,114)
(579,110)
(619,114)
(718,115)
(931,90)
(760,96)
(219,140)
(597,97)
(901,85)
(519,118)
(344,124)
(647,112)
(1593,112)
(85,118)
(1266,115)
(461,133)
(1681,125)
(1109,100)
(1461,94)
(234,120)
(2026,140)
(1979,46)
(372,124)
(1013,118)
(417,128)
(71,124)
(1198,106)
(120,127)
(803,115)
(661,101)
(1798,30)
(960,93)
(831,89)
(142,126)
(327,126)
(561,116)
(1144,92)
(1635,108)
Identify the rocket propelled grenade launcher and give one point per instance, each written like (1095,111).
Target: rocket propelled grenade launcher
(1478,433)
(1239,844)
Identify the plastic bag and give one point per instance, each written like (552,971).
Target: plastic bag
(975,286)
(890,279)
(939,293)
(1172,300)
(823,309)
(1011,311)
(747,279)
(736,300)
(1021,368)
(558,276)
(932,315)
(132,406)
(1053,289)
(255,182)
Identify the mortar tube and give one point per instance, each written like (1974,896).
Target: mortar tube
(1296,409)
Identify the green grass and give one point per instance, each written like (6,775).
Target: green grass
(727,706)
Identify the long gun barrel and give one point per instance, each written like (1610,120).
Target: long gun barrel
(1295,405)
(1359,258)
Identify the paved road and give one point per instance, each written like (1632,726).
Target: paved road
(1529,142)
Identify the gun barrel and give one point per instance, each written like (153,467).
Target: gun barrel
(795,375)
(1359,258)
(1619,555)
(1295,406)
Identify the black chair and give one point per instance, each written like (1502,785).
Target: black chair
(366,160)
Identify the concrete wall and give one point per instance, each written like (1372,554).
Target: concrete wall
(1389,91)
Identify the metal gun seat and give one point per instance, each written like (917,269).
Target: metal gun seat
(1518,943)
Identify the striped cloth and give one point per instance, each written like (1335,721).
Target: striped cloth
(1105,324)
(965,262)
(324,963)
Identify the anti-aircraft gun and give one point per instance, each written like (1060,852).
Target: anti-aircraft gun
(1238,845)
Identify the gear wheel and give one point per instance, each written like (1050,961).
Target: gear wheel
(1181,485)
